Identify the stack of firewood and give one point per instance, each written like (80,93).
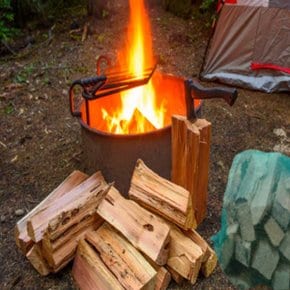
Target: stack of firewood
(117,243)
(254,243)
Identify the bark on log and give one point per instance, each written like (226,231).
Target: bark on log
(145,231)
(124,261)
(89,272)
(23,241)
(190,160)
(161,196)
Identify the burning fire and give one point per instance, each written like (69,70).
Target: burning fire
(139,111)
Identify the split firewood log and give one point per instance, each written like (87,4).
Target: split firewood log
(38,223)
(161,196)
(89,272)
(23,240)
(127,264)
(163,279)
(190,160)
(209,261)
(175,276)
(144,230)
(61,237)
(35,257)
(185,256)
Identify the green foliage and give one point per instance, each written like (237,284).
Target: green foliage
(9,109)
(6,20)
(23,76)
(208,4)
(48,9)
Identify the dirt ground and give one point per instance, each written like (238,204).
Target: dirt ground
(40,143)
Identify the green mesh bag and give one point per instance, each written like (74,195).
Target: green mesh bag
(253,244)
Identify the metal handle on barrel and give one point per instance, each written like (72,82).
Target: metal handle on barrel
(90,86)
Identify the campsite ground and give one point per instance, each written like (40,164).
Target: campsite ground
(41,144)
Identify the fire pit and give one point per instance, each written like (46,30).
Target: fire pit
(116,154)
(126,114)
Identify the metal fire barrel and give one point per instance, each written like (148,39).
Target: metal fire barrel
(116,155)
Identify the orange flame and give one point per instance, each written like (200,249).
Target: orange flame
(139,111)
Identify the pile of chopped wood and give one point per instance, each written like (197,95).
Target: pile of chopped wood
(117,243)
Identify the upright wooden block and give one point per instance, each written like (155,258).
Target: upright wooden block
(190,160)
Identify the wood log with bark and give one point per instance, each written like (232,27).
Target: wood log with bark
(161,196)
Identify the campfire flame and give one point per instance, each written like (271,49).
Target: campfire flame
(139,111)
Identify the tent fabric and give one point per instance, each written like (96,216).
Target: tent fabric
(262,3)
(246,35)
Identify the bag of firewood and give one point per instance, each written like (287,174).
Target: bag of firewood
(253,244)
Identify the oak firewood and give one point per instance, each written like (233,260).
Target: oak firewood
(190,160)
(89,272)
(185,256)
(161,196)
(125,262)
(209,260)
(34,255)
(22,238)
(38,223)
(144,230)
(67,228)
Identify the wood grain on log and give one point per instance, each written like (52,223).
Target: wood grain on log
(34,255)
(67,228)
(89,272)
(144,230)
(124,261)
(209,260)
(185,256)
(38,223)
(22,238)
(161,196)
(190,160)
